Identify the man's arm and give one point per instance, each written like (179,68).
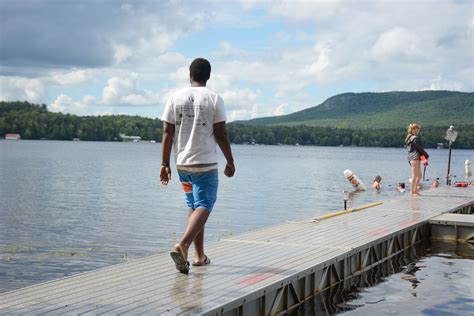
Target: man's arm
(166,144)
(220,133)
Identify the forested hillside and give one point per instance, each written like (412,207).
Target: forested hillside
(34,121)
(333,136)
(383,110)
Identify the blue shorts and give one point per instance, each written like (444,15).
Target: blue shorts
(200,189)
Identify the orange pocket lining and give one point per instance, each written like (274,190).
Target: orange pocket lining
(187,187)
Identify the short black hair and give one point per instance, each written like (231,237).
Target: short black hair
(200,70)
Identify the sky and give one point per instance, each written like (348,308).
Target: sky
(101,57)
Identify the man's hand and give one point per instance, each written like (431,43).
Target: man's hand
(220,133)
(165,175)
(167,142)
(229,169)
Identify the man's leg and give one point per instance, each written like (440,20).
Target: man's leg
(202,195)
(198,244)
(179,246)
(195,226)
(199,247)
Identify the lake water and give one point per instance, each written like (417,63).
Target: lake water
(436,285)
(68,207)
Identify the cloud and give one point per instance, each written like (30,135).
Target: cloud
(20,88)
(137,99)
(266,55)
(228,50)
(239,97)
(66,104)
(439,83)
(243,114)
(181,76)
(168,62)
(428,82)
(34,39)
(285,108)
(53,33)
(304,10)
(379,41)
(122,53)
(125,91)
(240,103)
(117,88)
(71,78)
(397,43)
(320,64)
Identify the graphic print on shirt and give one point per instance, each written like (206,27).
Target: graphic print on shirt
(191,115)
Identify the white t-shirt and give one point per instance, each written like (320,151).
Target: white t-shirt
(194,111)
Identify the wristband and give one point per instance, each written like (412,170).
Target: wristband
(164,164)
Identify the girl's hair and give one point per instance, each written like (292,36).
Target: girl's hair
(410,129)
(378,178)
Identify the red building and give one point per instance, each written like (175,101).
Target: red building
(12,136)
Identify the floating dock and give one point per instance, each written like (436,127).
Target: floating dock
(270,271)
(454,227)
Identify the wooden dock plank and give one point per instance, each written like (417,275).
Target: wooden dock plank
(75,287)
(266,271)
(135,267)
(99,299)
(241,265)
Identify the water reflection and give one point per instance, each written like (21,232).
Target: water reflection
(451,249)
(406,268)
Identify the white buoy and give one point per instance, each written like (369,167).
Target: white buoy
(467,166)
(354,180)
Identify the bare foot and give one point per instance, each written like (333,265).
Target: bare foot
(415,194)
(200,259)
(181,249)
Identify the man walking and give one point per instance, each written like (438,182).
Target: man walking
(194,121)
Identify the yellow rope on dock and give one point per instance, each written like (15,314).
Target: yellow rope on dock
(355,209)
(333,214)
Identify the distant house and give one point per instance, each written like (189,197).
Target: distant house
(12,136)
(132,139)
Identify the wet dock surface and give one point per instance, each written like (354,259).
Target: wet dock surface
(249,272)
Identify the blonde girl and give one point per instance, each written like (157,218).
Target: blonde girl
(415,151)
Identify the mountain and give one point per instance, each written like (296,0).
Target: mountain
(382,110)
(34,121)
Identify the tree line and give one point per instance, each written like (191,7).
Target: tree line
(34,121)
(327,136)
